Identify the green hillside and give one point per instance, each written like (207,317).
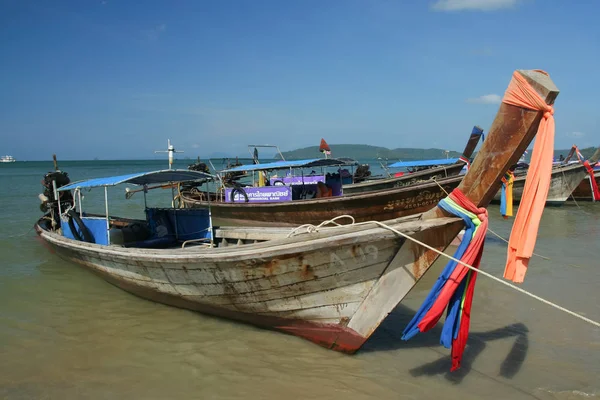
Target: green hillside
(367,152)
(364,152)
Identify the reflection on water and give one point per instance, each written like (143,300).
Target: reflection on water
(66,334)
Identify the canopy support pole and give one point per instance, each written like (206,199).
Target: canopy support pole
(106,210)
(56,196)
(145,197)
(80,204)
(210,225)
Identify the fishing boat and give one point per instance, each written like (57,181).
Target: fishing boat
(332,286)
(565,179)
(292,201)
(286,202)
(583,191)
(7,159)
(422,170)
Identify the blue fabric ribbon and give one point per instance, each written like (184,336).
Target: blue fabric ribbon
(503,199)
(450,329)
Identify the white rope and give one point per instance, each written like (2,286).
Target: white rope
(20,234)
(311,228)
(506,241)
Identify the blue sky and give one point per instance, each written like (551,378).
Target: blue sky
(115,79)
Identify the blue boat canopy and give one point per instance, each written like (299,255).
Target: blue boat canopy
(423,163)
(141,178)
(310,163)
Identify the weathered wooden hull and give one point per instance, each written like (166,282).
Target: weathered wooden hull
(583,191)
(330,288)
(405,180)
(371,206)
(564,180)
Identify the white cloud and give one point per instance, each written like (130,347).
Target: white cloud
(576,134)
(472,5)
(486,99)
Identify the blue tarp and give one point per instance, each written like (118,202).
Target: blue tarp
(96,226)
(170,225)
(423,163)
(141,178)
(309,163)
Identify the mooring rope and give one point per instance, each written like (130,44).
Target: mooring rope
(312,228)
(20,234)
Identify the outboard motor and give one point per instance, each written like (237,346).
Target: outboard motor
(199,166)
(362,172)
(49,204)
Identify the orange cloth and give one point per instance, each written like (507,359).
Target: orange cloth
(525,229)
(323,190)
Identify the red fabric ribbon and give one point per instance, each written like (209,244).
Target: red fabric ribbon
(472,256)
(595,190)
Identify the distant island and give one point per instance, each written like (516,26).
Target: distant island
(367,152)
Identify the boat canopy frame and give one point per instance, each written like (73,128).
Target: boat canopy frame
(307,163)
(424,163)
(160,177)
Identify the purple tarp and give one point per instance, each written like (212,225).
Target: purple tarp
(265,194)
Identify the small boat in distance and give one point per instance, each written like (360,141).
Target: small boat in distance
(7,159)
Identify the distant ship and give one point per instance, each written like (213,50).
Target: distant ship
(7,159)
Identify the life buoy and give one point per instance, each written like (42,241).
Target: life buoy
(85,232)
(241,191)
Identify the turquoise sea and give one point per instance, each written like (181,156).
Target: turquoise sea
(66,334)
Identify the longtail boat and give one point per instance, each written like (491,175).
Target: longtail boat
(583,191)
(433,170)
(565,179)
(371,206)
(286,205)
(333,286)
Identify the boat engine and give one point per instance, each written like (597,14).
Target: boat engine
(49,204)
(199,166)
(362,172)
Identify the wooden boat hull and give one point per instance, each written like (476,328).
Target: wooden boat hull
(370,206)
(564,180)
(583,192)
(405,180)
(308,286)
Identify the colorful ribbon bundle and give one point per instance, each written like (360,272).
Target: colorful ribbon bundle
(506,195)
(454,288)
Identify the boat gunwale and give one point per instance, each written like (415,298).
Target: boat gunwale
(275,247)
(324,200)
